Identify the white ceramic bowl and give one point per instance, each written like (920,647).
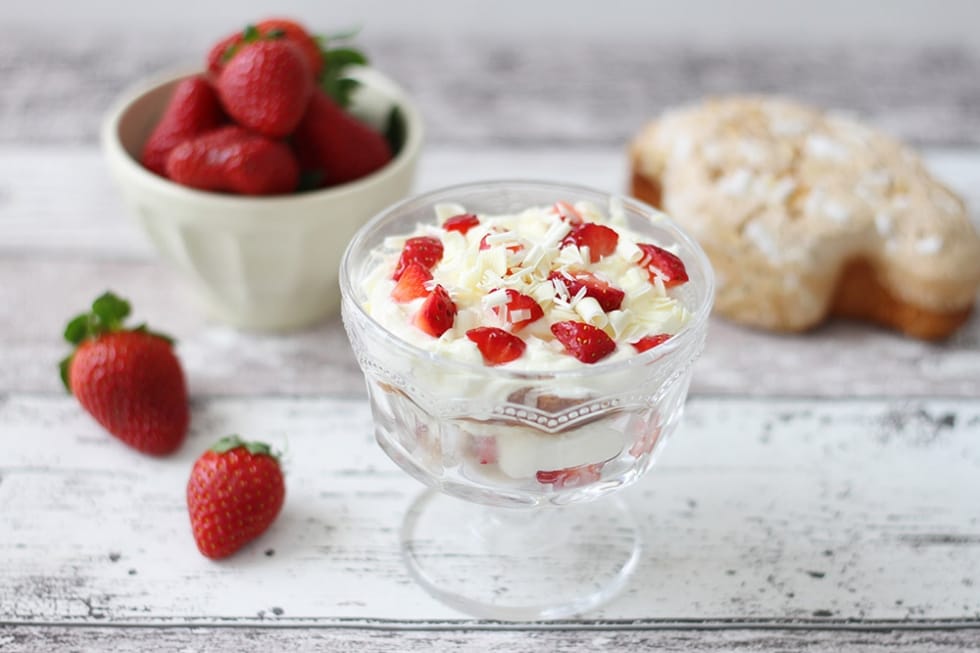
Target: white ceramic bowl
(268,263)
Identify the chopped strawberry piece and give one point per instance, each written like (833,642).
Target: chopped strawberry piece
(520,310)
(660,262)
(424,250)
(570,476)
(649,342)
(496,345)
(600,240)
(585,342)
(485,449)
(461,223)
(484,244)
(437,313)
(411,285)
(645,440)
(568,213)
(610,297)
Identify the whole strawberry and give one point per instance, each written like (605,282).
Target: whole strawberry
(193,109)
(335,147)
(266,86)
(129,380)
(222,51)
(235,492)
(235,160)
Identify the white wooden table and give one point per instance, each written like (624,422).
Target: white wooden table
(823,492)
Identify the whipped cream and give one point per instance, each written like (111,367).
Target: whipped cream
(519,252)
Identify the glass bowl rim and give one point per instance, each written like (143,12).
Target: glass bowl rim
(679,341)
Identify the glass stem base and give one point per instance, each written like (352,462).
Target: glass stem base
(520,564)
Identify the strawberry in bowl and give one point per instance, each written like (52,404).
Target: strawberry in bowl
(269,116)
(251,174)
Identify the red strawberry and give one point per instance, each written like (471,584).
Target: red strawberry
(297,34)
(568,213)
(334,147)
(600,240)
(651,341)
(233,159)
(437,313)
(266,86)
(234,493)
(660,262)
(520,310)
(269,29)
(192,110)
(484,447)
(585,342)
(496,345)
(461,223)
(129,380)
(411,284)
(610,297)
(424,250)
(485,243)
(570,476)
(221,52)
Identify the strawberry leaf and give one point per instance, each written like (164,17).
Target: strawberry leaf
(64,367)
(395,130)
(310,180)
(78,329)
(342,57)
(336,60)
(230,442)
(110,310)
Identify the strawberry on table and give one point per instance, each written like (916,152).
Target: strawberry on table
(496,345)
(266,86)
(585,342)
(192,110)
(334,147)
(658,262)
(437,313)
(235,492)
(233,159)
(129,380)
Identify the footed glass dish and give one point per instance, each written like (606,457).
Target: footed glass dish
(521,519)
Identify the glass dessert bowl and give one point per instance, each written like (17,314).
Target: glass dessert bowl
(465,309)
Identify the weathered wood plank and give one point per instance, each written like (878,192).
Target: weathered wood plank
(523,92)
(759,509)
(27,639)
(83,214)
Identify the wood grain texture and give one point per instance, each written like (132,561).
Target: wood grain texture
(561,639)
(523,93)
(758,510)
(819,496)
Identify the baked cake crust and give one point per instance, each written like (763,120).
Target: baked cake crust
(807,215)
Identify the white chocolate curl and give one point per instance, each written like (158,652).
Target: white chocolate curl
(591,313)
